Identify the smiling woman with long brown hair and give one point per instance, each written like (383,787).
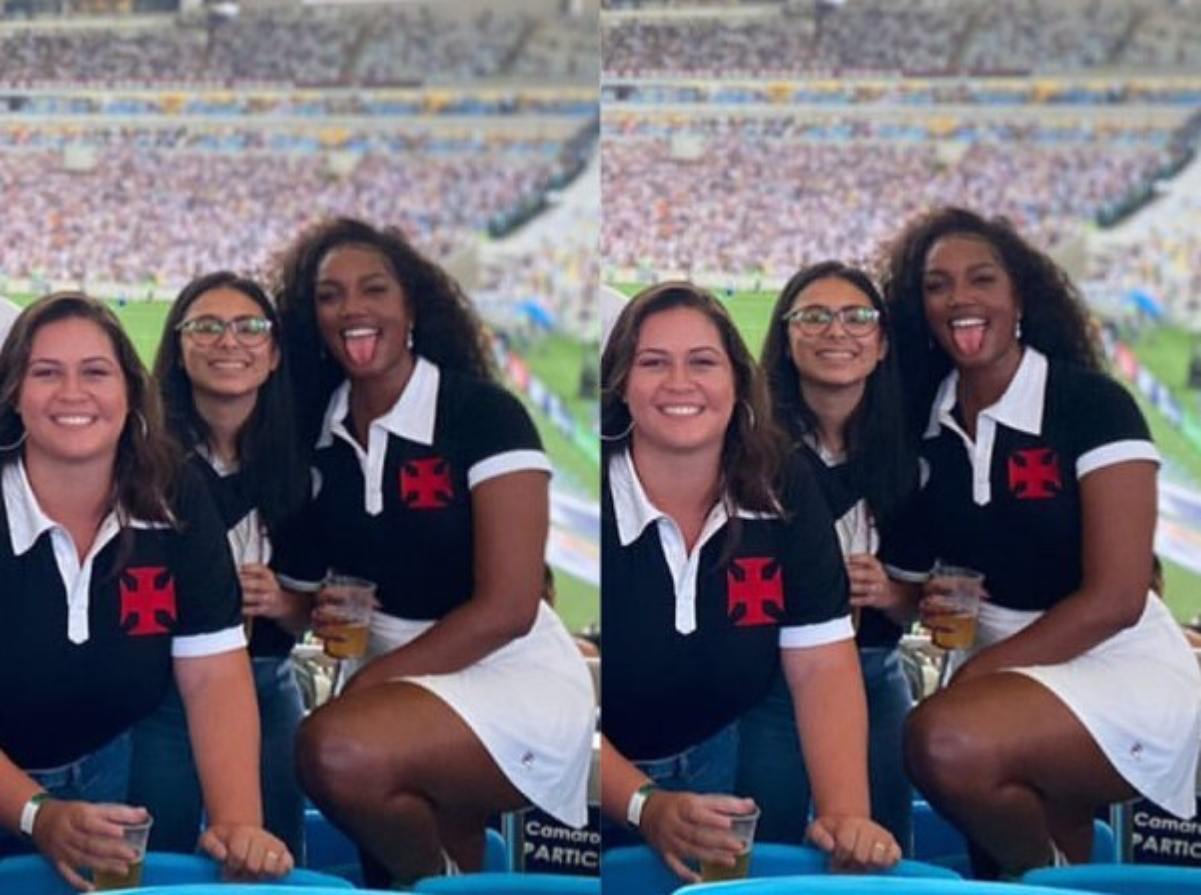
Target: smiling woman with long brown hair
(118,577)
(707,590)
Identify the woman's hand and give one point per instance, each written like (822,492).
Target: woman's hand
(854,843)
(85,835)
(683,826)
(261,593)
(871,586)
(246,852)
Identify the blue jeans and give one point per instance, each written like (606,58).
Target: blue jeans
(100,776)
(707,767)
(771,769)
(164,779)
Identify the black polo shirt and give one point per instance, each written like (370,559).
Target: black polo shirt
(399,513)
(91,643)
(1008,503)
(243,523)
(857,533)
(694,639)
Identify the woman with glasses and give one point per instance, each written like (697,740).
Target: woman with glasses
(227,399)
(835,389)
(1080,690)
(116,580)
(709,587)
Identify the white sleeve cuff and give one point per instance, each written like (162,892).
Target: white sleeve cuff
(298,584)
(1115,452)
(801,636)
(192,645)
(509,461)
(906,575)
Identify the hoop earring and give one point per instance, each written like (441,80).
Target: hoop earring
(16,444)
(409,339)
(620,435)
(142,424)
(1017,329)
(750,412)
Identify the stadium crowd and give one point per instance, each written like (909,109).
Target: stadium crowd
(771,205)
(1010,36)
(185,212)
(389,44)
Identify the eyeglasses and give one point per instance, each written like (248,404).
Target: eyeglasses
(813,320)
(206,330)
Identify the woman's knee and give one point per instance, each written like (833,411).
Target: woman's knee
(336,763)
(943,754)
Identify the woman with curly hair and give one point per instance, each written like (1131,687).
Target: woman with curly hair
(835,388)
(432,483)
(117,581)
(1041,475)
(707,590)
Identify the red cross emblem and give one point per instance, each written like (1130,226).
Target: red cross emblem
(147,594)
(425,484)
(1034,474)
(752,584)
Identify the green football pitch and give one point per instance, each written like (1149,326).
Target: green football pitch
(1164,350)
(557,361)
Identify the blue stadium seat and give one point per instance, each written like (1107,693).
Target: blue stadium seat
(638,869)
(247,889)
(32,875)
(1121,879)
(937,841)
(861,885)
(329,850)
(512,884)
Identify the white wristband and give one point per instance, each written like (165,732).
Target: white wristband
(29,812)
(637,803)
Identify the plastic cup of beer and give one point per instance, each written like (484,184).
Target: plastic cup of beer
(136,836)
(346,602)
(955,606)
(743,828)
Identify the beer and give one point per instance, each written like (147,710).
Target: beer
(106,880)
(712,872)
(344,641)
(955,630)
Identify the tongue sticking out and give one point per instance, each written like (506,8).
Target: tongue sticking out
(361,349)
(968,339)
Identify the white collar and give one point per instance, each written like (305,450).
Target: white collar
(634,510)
(1020,407)
(27,521)
(631,506)
(412,417)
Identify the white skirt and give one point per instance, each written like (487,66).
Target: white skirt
(530,703)
(1138,694)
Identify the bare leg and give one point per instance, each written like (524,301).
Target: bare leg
(398,770)
(1013,767)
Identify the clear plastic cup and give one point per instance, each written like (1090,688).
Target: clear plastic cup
(136,836)
(743,827)
(347,601)
(955,607)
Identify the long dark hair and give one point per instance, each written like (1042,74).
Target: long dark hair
(1054,319)
(754,447)
(274,474)
(880,458)
(446,328)
(146,463)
